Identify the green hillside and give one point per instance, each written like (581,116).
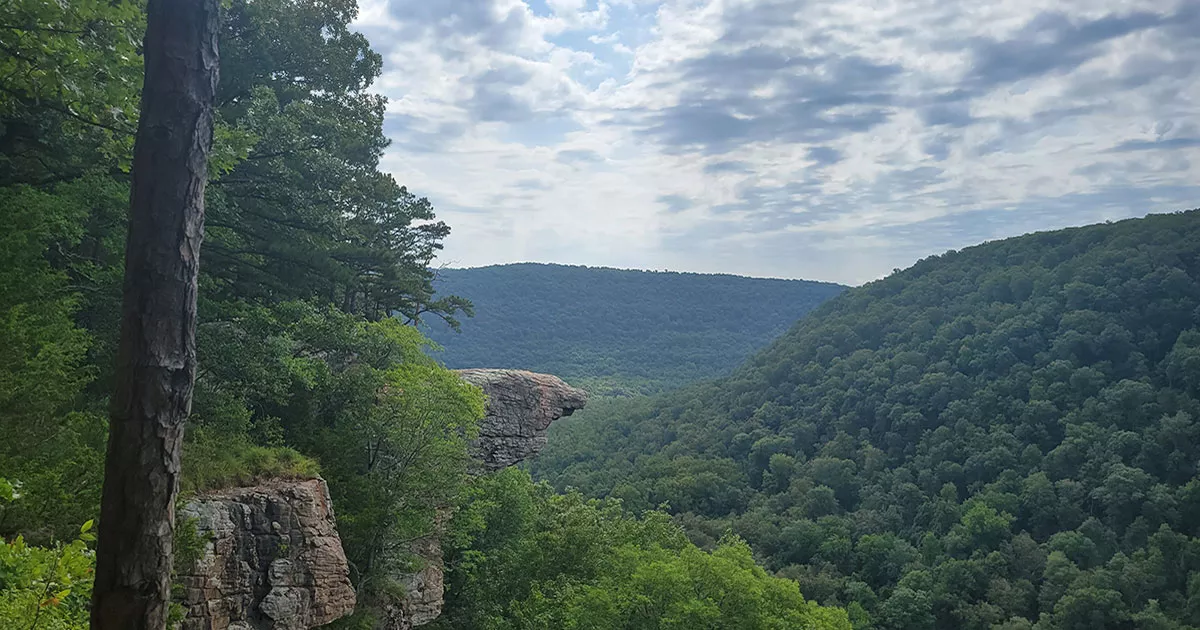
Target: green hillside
(313,259)
(1001,437)
(614,329)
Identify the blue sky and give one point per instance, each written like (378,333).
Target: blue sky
(818,139)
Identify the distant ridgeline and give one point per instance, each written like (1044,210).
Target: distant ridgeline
(1003,437)
(617,331)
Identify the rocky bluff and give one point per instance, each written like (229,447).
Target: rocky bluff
(521,405)
(272,559)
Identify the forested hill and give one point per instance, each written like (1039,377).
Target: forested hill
(615,329)
(1001,437)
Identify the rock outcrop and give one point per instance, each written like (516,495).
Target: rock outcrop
(271,560)
(520,408)
(424,589)
(521,405)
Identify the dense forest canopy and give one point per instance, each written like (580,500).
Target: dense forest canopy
(1001,437)
(617,331)
(522,557)
(313,262)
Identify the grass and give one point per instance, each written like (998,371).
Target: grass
(216,464)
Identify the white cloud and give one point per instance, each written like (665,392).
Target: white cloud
(832,140)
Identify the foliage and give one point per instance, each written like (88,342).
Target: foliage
(308,214)
(617,331)
(310,249)
(521,556)
(210,465)
(72,79)
(395,459)
(45,588)
(49,444)
(388,424)
(1004,436)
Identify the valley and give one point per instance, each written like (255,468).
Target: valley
(1000,437)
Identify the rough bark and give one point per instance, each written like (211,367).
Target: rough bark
(157,355)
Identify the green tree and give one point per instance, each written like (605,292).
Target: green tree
(72,78)
(523,557)
(907,609)
(1018,413)
(308,214)
(48,446)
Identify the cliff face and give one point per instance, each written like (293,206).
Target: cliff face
(520,408)
(521,405)
(272,560)
(424,589)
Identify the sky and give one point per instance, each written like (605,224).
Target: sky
(816,139)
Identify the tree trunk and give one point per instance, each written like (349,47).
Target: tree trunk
(157,355)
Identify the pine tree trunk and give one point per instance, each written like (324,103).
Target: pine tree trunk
(157,355)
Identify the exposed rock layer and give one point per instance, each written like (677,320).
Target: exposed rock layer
(423,590)
(272,560)
(521,405)
(520,408)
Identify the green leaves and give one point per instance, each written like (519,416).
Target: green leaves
(523,557)
(1019,419)
(298,209)
(8,491)
(47,588)
(389,425)
(42,359)
(72,81)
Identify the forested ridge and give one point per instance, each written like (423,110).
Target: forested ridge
(617,331)
(314,274)
(1000,437)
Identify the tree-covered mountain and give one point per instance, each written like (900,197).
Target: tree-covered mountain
(313,259)
(1001,437)
(617,329)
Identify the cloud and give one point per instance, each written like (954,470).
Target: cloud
(1152,145)
(494,98)
(760,94)
(726,166)
(576,156)
(675,203)
(495,25)
(827,139)
(1050,42)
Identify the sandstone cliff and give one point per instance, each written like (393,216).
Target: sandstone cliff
(521,405)
(272,560)
(520,408)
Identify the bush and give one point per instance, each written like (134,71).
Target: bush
(46,588)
